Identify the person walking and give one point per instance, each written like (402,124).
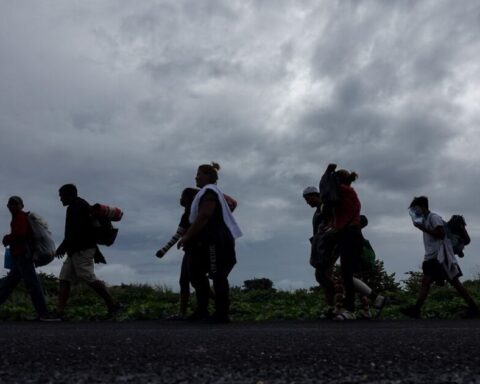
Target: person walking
(346,221)
(211,242)
(367,295)
(186,201)
(324,272)
(19,240)
(81,248)
(439,263)
(326,263)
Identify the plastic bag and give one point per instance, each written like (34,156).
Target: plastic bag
(8,262)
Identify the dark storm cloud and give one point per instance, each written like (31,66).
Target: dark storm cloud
(127,99)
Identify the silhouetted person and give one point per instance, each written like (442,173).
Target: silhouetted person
(324,273)
(81,247)
(367,295)
(439,262)
(346,221)
(211,242)
(186,201)
(19,240)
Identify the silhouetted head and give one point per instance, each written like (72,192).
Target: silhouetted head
(15,204)
(312,197)
(346,177)
(68,193)
(363,221)
(420,202)
(187,197)
(207,174)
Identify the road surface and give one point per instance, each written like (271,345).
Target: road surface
(425,351)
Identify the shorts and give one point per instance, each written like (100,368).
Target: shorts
(432,268)
(79,266)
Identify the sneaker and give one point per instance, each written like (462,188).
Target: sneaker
(471,313)
(329,314)
(364,314)
(198,316)
(345,315)
(379,303)
(50,317)
(219,319)
(411,311)
(45,318)
(115,311)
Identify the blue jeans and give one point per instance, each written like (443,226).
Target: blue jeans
(24,269)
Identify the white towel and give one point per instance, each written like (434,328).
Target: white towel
(447,258)
(227,214)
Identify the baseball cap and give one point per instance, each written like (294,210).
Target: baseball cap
(310,190)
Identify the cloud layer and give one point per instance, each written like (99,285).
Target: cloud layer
(126,99)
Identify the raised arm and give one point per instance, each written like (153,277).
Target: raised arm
(177,236)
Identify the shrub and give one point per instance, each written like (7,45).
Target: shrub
(413,283)
(262,284)
(376,278)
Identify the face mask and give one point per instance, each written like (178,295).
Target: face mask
(416,215)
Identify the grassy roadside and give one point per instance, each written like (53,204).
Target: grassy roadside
(252,303)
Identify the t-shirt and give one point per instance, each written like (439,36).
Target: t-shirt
(20,235)
(347,210)
(79,232)
(432,244)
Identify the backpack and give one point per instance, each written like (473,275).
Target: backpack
(42,245)
(103,215)
(329,193)
(323,248)
(456,231)
(328,186)
(367,258)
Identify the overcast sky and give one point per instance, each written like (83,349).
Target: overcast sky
(125,99)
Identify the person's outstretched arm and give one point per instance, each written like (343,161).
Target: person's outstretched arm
(177,236)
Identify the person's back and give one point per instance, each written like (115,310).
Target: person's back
(79,232)
(347,210)
(432,243)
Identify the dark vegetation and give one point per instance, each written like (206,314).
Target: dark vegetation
(257,300)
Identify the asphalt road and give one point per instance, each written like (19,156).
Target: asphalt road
(425,351)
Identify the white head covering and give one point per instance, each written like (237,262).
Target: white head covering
(310,190)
